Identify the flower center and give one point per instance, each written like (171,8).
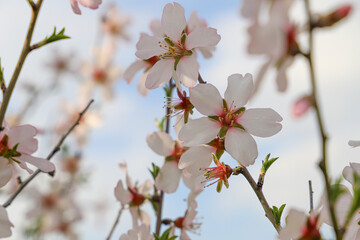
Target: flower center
(6,151)
(177,152)
(173,49)
(99,76)
(179,222)
(310,230)
(136,198)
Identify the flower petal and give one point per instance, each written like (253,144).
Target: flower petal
(24,136)
(161,143)
(169,177)
(295,221)
(133,69)
(349,172)
(188,69)
(92,4)
(195,158)
(206,99)
(5,171)
(241,146)
(261,122)
(239,90)
(354,143)
(75,6)
(148,46)
(160,73)
(202,37)
(141,85)
(43,164)
(5,224)
(122,194)
(173,21)
(199,131)
(281,78)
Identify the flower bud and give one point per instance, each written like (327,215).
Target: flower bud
(333,17)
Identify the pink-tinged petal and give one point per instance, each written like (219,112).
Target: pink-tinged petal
(207,52)
(260,76)
(206,99)
(141,85)
(43,164)
(161,143)
(5,172)
(169,177)
(261,122)
(241,146)
(302,106)
(156,28)
(184,235)
(354,143)
(188,68)
(122,194)
(145,187)
(199,131)
(195,22)
(349,172)
(92,4)
(295,221)
(160,73)
(5,224)
(195,184)
(202,37)
(250,9)
(24,135)
(75,6)
(281,78)
(133,69)
(239,90)
(148,46)
(173,21)
(195,158)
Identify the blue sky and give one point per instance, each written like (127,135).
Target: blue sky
(236,212)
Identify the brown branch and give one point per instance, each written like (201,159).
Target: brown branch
(200,79)
(258,191)
(311,197)
(115,223)
(51,154)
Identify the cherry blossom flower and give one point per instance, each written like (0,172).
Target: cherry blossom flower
(114,23)
(134,196)
(187,223)
(92,4)
(139,233)
(218,174)
(175,49)
(5,224)
(300,226)
(16,146)
(302,106)
(228,119)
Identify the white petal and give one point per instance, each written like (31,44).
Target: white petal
(145,187)
(281,78)
(141,85)
(195,184)
(195,158)
(206,99)
(169,177)
(353,143)
(349,172)
(133,69)
(160,73)
(5,172)
(199,131)
(241,146)
(250,9)
(75,6)
(239,90)
(295,221)
(202,37)
(173,21)
(24,135)
(260,76)
(188,69)
(148,46)
(5,224)
(156,28)
(121,194)
(261,122)
(92,4)
(41,163)
(161,143)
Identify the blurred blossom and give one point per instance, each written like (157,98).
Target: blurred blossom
(61,63)
(354,143)
(138,233)
(5,224)
(333,17)
(114,23)
(187,223)
(92,4)
(302,106)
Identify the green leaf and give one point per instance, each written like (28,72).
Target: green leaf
(56,36)
(155,171)
(277,212)
(267,163)
(336,190)
(160,125)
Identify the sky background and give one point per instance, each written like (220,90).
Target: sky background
(235,213)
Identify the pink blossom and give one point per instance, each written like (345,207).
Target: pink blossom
(16,146)
(5,224)
(228,119)
(92,4)
(175,49)
(114,23)
(302,105)
(187,223)
(139,233)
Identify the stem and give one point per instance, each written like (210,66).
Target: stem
(322,163)
(52,153)
(115,223)
(25,51)
(200,79)
(167,130)
(258,191)
(311,197)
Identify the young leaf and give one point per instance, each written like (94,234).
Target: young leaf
(267,163)
(56,36)
(277,212)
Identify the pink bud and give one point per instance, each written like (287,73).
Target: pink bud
(301,106)
(343,11)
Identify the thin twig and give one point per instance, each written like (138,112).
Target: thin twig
(200,79)
(115,223)
(323,161)
(258,191)
(52,153)
(24,52)
(311,197)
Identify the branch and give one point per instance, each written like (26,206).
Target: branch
(52,153)
(115,223)
(258,191)
(322,163)
(311,197)
(200,79)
